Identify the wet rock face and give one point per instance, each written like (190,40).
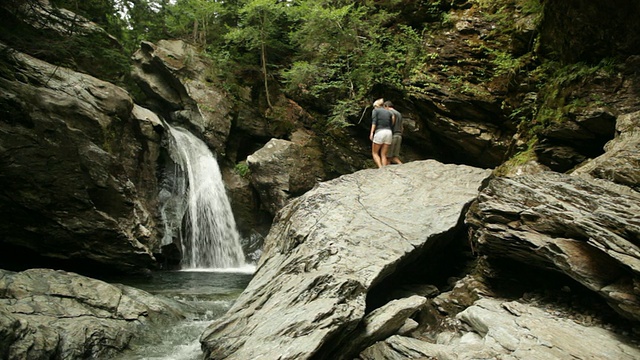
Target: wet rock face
(585,228)
(46,314)
(37,21)
(328,248)
(457,115)
(77,171)
(568,29)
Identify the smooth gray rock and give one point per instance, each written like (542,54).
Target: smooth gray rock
(585,228)
(47,314)
(328,247)
(526,332)
(400,348)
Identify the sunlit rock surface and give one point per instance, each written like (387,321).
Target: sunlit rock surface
(328,247)
(175,77)
(495,329)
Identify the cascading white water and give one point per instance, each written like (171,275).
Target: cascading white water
(195,208)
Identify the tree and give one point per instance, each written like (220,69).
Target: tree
(200,21)
(262,26)
(345,51)
(145,20)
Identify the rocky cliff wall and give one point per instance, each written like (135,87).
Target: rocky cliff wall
(77,161)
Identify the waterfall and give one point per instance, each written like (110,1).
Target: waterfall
(195,208)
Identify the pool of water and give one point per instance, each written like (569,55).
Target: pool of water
(211,291)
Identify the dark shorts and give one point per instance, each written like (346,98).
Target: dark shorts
(394,149)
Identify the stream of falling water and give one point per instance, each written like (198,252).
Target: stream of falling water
(195,208)
(196,214)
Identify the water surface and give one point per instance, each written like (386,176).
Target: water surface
(212,291)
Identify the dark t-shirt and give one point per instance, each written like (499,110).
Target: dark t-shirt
(381,118)
(397,127)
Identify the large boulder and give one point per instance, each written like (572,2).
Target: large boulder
(47,314)
(78,186)
(328,248)
(284,169)
(582,227)
(177,81)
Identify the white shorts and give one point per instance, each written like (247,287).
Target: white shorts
(383,136)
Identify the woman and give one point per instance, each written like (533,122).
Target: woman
(381,122)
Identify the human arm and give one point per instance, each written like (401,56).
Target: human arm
(374,123)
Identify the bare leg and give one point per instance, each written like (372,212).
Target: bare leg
(375,152)
(396,160)
(383,154)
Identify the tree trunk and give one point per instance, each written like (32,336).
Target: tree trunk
(194,35)
(263,55)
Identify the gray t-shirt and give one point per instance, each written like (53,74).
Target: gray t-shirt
(381,118)
(397,127)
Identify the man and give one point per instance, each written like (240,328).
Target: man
(394,150)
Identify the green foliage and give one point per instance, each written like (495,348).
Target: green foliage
(344,52)
(518,159)
(328,54)
(196,21)
(94,54)
(242,169)
(504,63)
(529,7)
(129,21)
(501,12)
(341,112)
(262,28)
(102,12)
(223,69)
(557,100)
(73,44)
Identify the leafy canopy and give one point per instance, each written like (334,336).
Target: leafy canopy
(330,55)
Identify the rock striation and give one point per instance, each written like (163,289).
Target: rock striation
(585,228)
(328,248)
(621,161)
